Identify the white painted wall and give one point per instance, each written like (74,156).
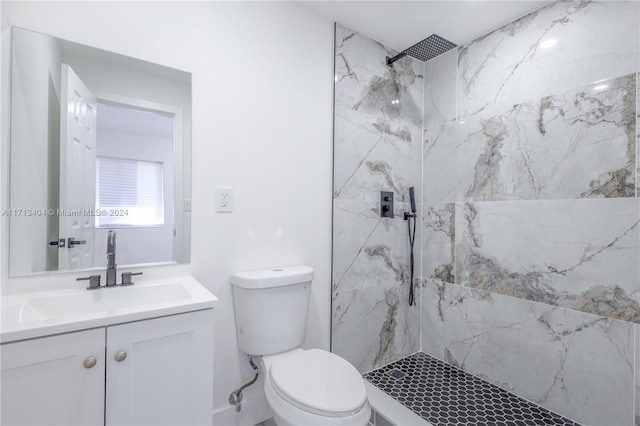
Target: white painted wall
(262,124)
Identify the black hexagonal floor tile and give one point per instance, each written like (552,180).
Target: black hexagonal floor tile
(452,395)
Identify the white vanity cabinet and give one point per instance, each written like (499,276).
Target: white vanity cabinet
(156,372)
(53,380)
(166,375)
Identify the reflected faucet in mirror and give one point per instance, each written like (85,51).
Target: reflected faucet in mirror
(111,258)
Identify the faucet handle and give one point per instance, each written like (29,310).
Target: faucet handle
(126,277)
(94,281)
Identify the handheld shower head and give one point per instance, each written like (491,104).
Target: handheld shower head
(412,199)
(412,237)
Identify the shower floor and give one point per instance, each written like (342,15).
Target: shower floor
(444,395)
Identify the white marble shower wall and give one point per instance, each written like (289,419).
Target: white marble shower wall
(637,327)
(531,221)
(377,147)
(576,364)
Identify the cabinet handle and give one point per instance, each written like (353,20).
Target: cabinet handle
(90,362)
(120,356)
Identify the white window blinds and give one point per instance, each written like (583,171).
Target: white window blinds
(128,193)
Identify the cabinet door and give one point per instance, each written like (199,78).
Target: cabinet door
(46,382)
(160,371)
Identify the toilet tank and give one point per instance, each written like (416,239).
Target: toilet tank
(272,307)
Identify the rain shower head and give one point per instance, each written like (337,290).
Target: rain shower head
(429,48)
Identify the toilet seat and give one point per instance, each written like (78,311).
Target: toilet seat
(318,382)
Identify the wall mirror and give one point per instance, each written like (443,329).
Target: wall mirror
(99,142)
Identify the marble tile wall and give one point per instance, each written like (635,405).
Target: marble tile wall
(377,147)
(559,48)
(439,84)
(577,254)
(576,144)
(531,221)
(527,147)
(577,364)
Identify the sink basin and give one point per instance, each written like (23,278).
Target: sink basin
(107,299)
(37,314)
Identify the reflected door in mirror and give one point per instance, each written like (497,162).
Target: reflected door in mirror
(77,172)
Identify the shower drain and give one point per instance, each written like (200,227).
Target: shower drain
(396,374)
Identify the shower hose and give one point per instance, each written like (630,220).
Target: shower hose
(412,238)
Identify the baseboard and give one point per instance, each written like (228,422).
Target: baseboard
(255,409)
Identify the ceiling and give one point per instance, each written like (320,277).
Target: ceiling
(400,24)
(132,120)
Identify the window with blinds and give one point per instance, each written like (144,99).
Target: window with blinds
(128,193)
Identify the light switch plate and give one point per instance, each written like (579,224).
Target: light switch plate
(224,199)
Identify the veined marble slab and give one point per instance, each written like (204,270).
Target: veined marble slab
(574,145)
(368,251)
(366,84)
(377,146)
(372,323)
(576,364)
(560,47)
(578,254)
(440,81)
(375,326)
(373,154)
(438,242)
(378,119)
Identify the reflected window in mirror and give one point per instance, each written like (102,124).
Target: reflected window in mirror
(129,193)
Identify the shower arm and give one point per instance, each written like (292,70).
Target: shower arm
(400,55)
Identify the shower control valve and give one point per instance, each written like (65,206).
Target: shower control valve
(386,204)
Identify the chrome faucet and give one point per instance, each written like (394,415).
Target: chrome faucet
(111,258)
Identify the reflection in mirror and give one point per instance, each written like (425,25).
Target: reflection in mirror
(99,142)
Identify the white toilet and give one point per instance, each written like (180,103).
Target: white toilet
(303,387)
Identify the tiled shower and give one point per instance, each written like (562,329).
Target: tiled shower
(523,144)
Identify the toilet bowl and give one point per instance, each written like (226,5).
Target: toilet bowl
(303,387)
(314,387)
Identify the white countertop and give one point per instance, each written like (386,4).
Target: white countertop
(29,315)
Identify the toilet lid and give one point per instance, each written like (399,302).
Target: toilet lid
(319,382)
